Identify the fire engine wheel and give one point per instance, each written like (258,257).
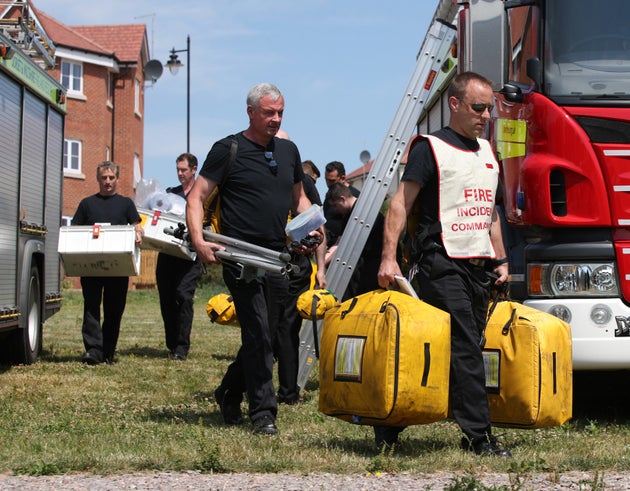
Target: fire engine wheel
(27,340)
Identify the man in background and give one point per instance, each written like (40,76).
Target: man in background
(105,207)
(311,173)
(365,276)
(335,172)
(177,277)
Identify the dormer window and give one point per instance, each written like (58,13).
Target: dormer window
(72,77)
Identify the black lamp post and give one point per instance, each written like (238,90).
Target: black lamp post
(173,64)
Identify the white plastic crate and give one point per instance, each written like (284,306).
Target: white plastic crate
(99,250)
(310,219)
(154,223)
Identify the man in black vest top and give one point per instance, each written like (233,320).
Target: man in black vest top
(452,177)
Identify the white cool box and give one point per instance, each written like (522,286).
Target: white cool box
(110,250)
(154,224)
(99,250)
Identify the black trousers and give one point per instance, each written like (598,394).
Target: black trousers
(112,291)
(461,289)
(286,324)
(252,370)
(176,281)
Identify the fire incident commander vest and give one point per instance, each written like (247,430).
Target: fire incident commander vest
(467,185)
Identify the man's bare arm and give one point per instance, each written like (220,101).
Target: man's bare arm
(194,220)
(395,221)
(496,237)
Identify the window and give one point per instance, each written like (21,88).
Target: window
(72,77)
(137,97)
(66,221)
(109,89)
(72,156)
(137,173)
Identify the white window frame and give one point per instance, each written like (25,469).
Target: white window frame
(137,175)
(68,72)
(69,154)
(109,101)
(138,86)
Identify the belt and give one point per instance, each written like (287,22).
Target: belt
(478,261)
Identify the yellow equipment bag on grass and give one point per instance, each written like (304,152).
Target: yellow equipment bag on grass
(384,360)
(221,310)
(529,367)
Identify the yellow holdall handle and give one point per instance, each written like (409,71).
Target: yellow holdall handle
(316,302)
(221,310)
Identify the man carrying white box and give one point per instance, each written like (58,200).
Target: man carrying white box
(105,207)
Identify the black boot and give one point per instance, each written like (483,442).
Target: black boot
(386,436)
(486,445)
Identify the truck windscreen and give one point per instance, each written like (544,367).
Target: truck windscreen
(587,49)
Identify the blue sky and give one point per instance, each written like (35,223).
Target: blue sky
(342,66)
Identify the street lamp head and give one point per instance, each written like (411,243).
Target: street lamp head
(173,64)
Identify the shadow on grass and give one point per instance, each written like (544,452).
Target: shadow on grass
(601,396)
(311,385)
(364,447)
(222,357)
(177,415)
(136,351)
(143,352)
(208,418)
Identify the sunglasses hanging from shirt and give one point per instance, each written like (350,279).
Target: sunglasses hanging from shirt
(273,165)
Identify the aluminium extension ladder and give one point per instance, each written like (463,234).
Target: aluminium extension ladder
(435,51)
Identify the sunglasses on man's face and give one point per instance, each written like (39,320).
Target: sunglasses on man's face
(479,107)
(273,165)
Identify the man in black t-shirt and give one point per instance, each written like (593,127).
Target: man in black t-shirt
(311,173)
(111,208)
(335,172)
(365,277)
(257,190)
(177,277)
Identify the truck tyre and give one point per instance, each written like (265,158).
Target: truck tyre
(27,340)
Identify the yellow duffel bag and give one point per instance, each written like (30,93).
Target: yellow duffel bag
(221,310)
(384,360)
(529,367)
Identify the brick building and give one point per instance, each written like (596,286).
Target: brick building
(102,70)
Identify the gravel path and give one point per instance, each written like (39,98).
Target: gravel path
(289,482)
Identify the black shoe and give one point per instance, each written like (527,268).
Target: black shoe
(90,359)
(486,446)
(386,436)
(230,410)
(265,426)
(110,360)
(177,357)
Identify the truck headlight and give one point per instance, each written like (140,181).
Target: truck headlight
(572,280)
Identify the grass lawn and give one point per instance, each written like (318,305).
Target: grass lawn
(147,412)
